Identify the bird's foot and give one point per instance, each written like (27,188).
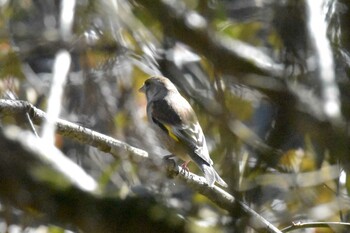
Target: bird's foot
(184,166)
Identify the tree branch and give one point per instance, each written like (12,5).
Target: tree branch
(81,134)
(117,148)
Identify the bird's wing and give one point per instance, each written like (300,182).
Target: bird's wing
(184,128)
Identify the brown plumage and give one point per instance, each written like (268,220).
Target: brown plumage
(177,127)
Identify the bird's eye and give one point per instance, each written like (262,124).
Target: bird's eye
(147,83)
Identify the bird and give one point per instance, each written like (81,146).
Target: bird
(177,127)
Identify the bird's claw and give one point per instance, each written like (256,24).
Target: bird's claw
(184,166)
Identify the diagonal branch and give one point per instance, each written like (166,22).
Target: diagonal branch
(81,134)
(117,148)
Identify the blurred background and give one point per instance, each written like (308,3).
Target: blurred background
(268,79)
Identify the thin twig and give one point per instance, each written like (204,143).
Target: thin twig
(301,225)
(32,127)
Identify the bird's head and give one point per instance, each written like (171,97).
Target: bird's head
(157,87)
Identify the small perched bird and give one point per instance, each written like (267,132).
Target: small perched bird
(177,127)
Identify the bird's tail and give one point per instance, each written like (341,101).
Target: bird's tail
(211,176)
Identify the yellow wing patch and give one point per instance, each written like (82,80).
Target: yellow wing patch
(171,134)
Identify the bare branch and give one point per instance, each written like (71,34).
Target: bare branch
(220,197)
(60,72)
(331,105)
(113,146)
(74,131)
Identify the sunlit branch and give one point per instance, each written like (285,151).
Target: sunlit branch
(115,147)
(220,197)
(60,72)
(324,58)
(74,131)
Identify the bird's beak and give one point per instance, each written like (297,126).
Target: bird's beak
(142,89)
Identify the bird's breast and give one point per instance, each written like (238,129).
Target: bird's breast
(173,146)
